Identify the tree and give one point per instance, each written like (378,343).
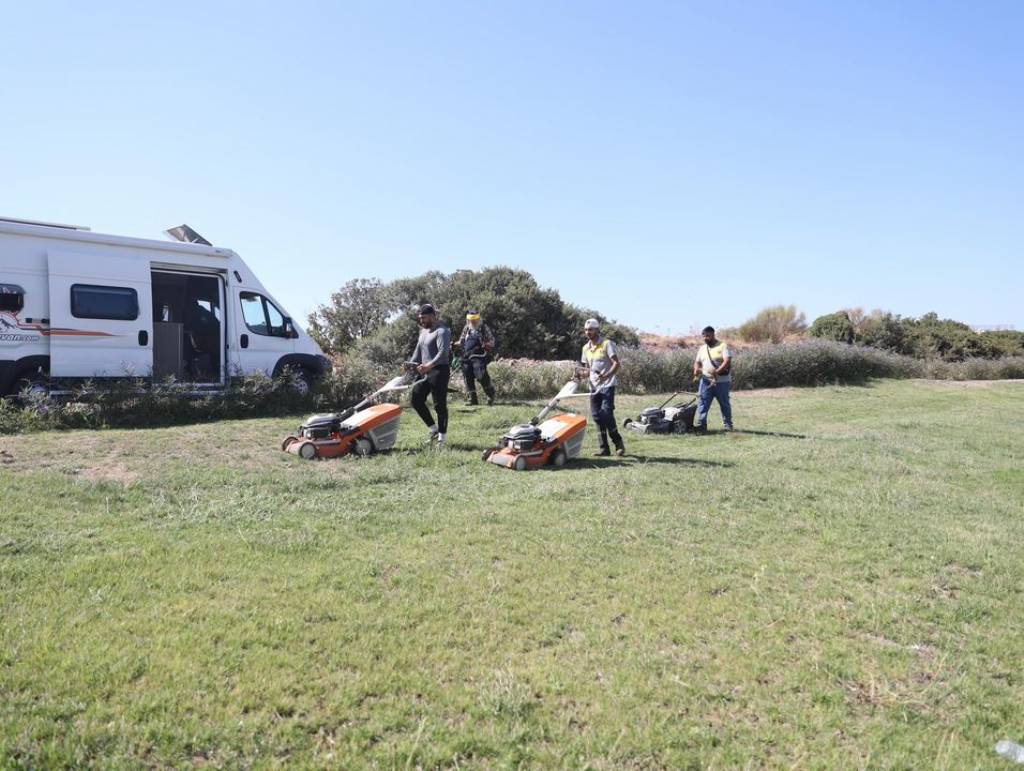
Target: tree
(356,310)
(833,326)
(881,329)
(529,320)
(773,324)
(932,337)
(857,317)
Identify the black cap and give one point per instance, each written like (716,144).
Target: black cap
(708,330)
(427,309)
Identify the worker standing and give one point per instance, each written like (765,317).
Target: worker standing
(432,362)
(601,362)
(476,344)
(712,366)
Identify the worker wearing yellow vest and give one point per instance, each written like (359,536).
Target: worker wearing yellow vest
(601,363)
(712,366)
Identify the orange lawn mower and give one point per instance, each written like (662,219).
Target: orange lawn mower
(363,429)
(542,442)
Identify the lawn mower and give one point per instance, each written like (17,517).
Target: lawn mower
(361,429)
(541,442)
(677,419)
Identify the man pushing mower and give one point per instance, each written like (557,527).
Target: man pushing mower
(431,361)
(600,360)
(712,366)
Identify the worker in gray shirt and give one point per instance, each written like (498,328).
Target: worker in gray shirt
(432,359)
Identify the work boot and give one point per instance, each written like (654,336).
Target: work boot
(490,396)
(604,452)
(472,400)
(620,446)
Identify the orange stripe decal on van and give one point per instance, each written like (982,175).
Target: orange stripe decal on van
(75,333)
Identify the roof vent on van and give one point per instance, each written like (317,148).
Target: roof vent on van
(186,235)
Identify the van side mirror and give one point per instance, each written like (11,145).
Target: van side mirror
(289,328)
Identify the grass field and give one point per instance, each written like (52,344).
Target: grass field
(841,590)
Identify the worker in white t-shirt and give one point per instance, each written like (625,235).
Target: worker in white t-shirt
(712,366)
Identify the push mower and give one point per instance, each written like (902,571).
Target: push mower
(677,419)
(541,442)
(360,429)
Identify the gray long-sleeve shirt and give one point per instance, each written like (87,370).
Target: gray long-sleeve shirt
(433,346)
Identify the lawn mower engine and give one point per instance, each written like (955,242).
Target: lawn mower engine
(665,420)
(529,446)
(332,435)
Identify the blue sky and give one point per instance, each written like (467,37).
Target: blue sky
(671,164)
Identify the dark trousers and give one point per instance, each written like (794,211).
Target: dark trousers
(476,369)
(434,383)
(602,409)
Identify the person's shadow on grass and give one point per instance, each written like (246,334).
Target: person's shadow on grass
(752,432)
(583,463)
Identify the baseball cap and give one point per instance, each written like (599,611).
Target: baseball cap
(592,324)
(427,309)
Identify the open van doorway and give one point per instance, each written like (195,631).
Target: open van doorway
(188,327)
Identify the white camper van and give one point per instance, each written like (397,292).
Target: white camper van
(76,304)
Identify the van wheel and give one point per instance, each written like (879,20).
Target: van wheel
(302,380)
(32,387)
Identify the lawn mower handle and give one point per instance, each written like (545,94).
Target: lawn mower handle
(554,403)
(673,396)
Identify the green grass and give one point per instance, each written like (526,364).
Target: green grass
(845,591)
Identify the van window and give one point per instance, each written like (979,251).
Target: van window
(104,302)
(252,312)
(261,315)
(12,298)
(276,319)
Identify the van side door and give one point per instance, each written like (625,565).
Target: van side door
(101,316)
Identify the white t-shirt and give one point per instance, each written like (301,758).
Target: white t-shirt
(711,358)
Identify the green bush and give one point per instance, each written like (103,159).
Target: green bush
(1005,342)
(134,404)
(526,379)
(932,337)
(356,310)
(645,371)
(378,321)
(817,362)
(927,337)
(881,329)
(833,326)
(772,324)
(1006,368)
(808,363)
